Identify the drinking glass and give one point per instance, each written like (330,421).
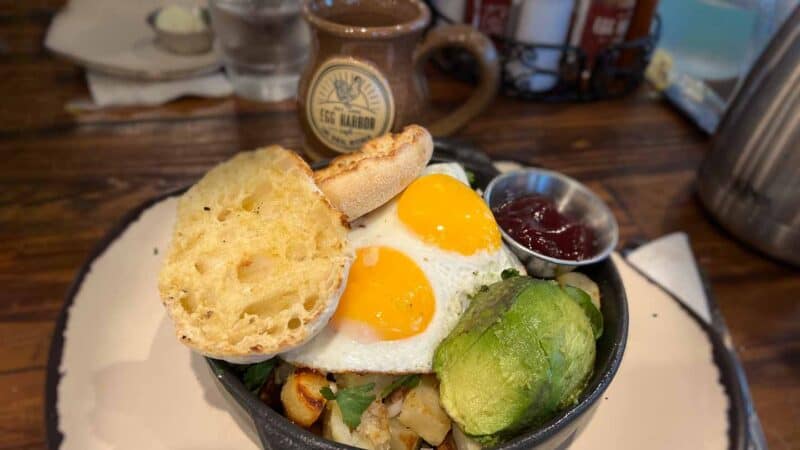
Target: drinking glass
(264,45)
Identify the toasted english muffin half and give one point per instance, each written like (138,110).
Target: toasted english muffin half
(258,258)
(357,183)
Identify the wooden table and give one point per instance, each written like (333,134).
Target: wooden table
(67,177)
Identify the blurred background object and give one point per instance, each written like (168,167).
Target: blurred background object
(750,181)
(264,45)
(708,46)
(546,22)
(150,52)
(556,51)
(126,60)
(180,30)
(114,37)
(599,24)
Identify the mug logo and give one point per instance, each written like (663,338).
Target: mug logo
(349,102)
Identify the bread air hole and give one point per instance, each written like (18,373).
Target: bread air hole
(293,324)
(310,302)
(223,215)
(253,269)
(189,304)
(200,267)
(249,203)
(268,307)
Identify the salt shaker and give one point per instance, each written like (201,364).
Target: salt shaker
(452,9)
(540,22)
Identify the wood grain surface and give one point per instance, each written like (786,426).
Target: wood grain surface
(66,177)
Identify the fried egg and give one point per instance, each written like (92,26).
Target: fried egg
(418,258)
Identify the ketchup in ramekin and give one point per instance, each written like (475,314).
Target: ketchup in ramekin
(535,222)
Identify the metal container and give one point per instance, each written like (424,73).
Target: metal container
(571,198)
(191,43)
(750,180)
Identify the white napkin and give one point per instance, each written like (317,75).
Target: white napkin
(114,35)
(113,91)
(669,261)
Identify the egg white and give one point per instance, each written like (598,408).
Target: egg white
(452,277)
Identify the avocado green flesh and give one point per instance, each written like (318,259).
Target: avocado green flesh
(523,350)
(585,302)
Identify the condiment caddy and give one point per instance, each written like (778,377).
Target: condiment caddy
(559,50)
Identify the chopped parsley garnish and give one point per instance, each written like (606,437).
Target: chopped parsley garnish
(470,177)
(255,375)
(352,401)
(509,273)
(406,381)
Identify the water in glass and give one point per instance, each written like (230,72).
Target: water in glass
(264,45)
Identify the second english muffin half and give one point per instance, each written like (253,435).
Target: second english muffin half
(359,182)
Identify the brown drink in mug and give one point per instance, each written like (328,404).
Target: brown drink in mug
(364,76)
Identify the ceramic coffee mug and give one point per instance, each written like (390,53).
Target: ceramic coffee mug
(364,76)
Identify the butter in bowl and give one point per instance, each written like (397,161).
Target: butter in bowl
(181,30)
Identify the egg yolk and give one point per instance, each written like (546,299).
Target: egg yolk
(446,213)
(387,293)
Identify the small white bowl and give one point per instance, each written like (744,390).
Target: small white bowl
(189,43)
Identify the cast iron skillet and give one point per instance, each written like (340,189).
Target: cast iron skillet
(277,433)
(731,373)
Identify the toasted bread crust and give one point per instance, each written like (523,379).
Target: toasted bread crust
(386,165)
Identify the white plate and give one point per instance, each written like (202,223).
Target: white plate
(113,37)
(118,379)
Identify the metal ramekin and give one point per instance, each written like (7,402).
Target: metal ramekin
(571,198)
(191,43)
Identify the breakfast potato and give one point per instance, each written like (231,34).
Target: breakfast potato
(462,441)
(301,397)
(353,379)
(582,282)
(372,434)
(422,412)
(334,428)
(374,427)
(402,437)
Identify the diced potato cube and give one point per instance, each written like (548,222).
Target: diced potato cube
(352,379)
(582,282)
(333,426)
(422,412)
(372,434)
(402,437)
(302,401)
(462,441)
(374,427)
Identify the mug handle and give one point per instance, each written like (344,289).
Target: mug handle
(482,49)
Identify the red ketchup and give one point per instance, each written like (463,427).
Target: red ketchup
(535,222)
